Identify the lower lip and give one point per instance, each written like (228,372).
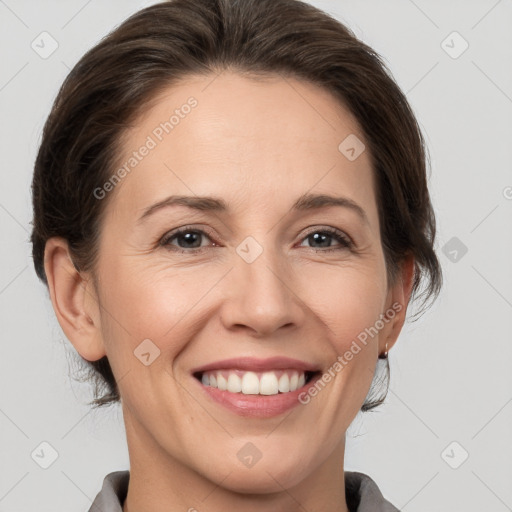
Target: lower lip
(258,406)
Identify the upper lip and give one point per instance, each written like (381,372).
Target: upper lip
(258,365)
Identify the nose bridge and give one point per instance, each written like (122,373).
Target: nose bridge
(267,273)
(262,297)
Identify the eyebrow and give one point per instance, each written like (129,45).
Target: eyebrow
(214,204)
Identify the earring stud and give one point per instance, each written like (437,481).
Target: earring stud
(385,355)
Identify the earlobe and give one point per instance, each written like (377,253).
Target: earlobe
(400,296)
(74,300)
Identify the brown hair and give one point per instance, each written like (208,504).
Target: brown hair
(166,42)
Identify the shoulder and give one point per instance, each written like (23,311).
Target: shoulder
(363,494)
(113,492)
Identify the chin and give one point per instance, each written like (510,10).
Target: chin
(262,479)
(275,469)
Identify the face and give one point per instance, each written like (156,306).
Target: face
(263,282)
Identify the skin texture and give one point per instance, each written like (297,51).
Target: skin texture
(259,145)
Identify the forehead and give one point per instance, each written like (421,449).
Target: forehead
(232,107)
(245,139)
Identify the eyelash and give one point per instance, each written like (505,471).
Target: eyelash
(344,241)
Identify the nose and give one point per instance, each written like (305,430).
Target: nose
(260,297)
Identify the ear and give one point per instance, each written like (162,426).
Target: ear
(74,300)
(398,300)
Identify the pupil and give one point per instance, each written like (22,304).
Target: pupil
(190,237)
(320,237)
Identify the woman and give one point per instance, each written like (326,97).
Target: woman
(192,161)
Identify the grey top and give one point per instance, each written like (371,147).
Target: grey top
(361,492)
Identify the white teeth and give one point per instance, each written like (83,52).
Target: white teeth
(268,384)
(253,383)
(284,383)
(294,381)
(222,383)
(250,384)
(234,383)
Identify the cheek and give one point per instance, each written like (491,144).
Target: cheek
(151,301)
(142,305)
(347,300)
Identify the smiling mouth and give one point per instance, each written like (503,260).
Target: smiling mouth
(256,383)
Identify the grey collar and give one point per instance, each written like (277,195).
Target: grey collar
(362,493)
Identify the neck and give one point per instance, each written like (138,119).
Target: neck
(161,483)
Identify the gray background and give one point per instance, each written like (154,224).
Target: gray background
(451,378)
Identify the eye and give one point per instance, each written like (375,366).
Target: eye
(187,239)
(325,236)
